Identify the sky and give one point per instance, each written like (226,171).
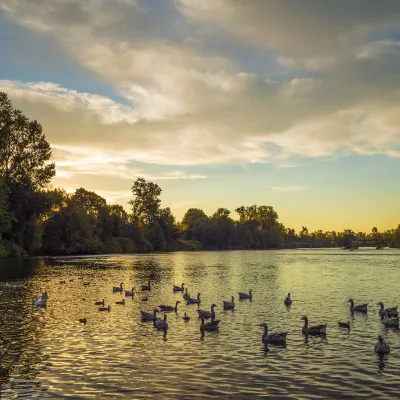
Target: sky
(223,103)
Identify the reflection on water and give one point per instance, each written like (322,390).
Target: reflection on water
(48,353)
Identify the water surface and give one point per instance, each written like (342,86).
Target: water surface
(48,354)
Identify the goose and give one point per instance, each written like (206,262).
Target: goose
(390,322)
(62,282)
(209,326)
(288,300)
(360,308)
(130,293)
(118,289)
(344,325)
(44,296)
(186,318)
(207,314)
(122,302)
(381,347)
(194,301)
(99,303)
(246,295)
(313,330)
(105,308)
(86,283)
(39,302)
(83,320)
(149,316)
(178,288)
(273,337)
(391,312)
(145,298)
(161,323)
(169,308)
(229,305)
(146,287)
(186,295)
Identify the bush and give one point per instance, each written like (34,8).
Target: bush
(10,249)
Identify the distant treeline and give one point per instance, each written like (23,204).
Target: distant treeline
(35,219)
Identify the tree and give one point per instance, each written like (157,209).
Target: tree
(5,214)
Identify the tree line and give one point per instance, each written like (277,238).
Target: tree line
(38,219)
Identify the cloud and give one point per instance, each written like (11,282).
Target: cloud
(287,189)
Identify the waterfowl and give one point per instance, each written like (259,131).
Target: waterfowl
(149,316)
(229,305)
(390,322)
(39,302)
(44,296)
(83,320)
(209,326)
(178,288)
(169,308)
(279,337)
(207,314)
(245,295)
(313,330)
(381,347)
(86,283)
(130,293)
(62,282)
(288,300)
(391,312)
(145,298)
(118,289)
(161,323)
(344,325)
(190,300)
(122,302)
(105,308)
(99,303)
(146,287)
(186,295)
(186,318)
(360,308)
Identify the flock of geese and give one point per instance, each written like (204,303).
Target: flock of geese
(389,316)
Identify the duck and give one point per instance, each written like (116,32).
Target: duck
(161,323)
(186,318)
(178,288)
(382,347)
(207,314)
(122,302)
(391,312)
(313,330)
(149,316)
(279,337)
(344,325)
(169,308)
(83,320)
(39,302)
(105,308)
(360,308)
(186,295)
(288,300)
(246,295)
(146,287)
(118,288)
(99,303)
(209,326)
(390,322)
(194,301)
(145,298)
(130,293)
(229,305)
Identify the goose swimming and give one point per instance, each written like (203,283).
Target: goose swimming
(83,320)
(145,298)
(246,295)
(169,308)
(149,316)
(146,287)
(161,323)
(186,295)
(130,293)
(288,300)
(178,288)
(229,305)
(209,326)
(186,318)
(279,337)
(360,308)
(207,314)
(344,325)
(381,347)
(391,312)
(86,284)
(44,296)
(390,322)
(39,302)
(194,301)
(312,330)
(122,302)
(105,308)
(99,303)
(118,289)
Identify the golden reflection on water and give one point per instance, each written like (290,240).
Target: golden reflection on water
(48,352)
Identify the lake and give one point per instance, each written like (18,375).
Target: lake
(47,353)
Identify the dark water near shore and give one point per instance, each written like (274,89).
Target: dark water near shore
(49,354)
